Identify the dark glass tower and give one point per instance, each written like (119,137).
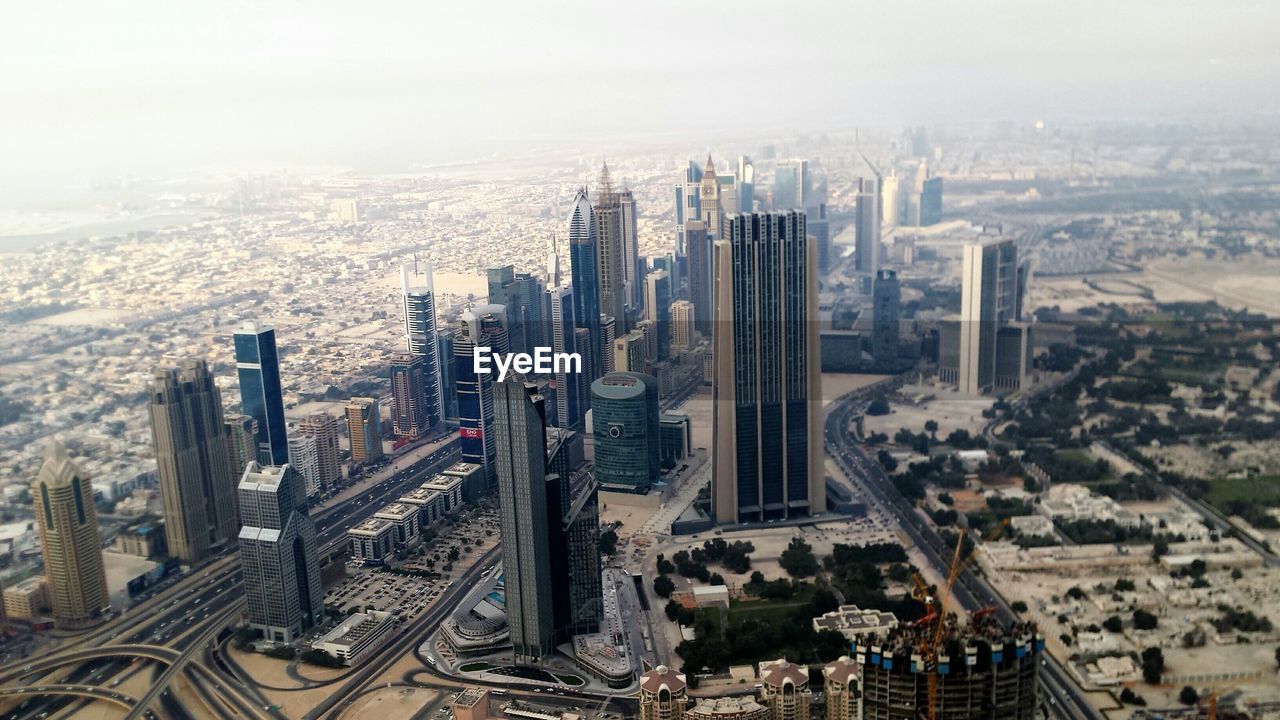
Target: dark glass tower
(766,387)
(258,366)
(586,285)
(563,339)
(624,407)
(480,327)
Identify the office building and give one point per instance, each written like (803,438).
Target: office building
(563,339)
(523,516)
(687,204)
(242,441)
(891,201)
(261,397)
(278,554)
(684,332)
(988,673)
(69,542)
(792,185)
(26,599)
(608,336)
(521,294)
(481,326)
(819,227)
(608,216)
(628,356)
(624,408)
(364,426)
(663,694)
(573,509)
(418,293)
(931,202)
(585,279)
(372,541)
(633,266)
(658,309)
(767,396)
(405,521)
(701,249)
(193,462)
(472,477)
(324,428)
(746,185)
(358,636)
(304,456)
(867,232)
(1014,355)
(886,301)
(675,439)
(410,417)
(448,378)
(988,300)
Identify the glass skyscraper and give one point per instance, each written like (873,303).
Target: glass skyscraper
(420,340)
(624,408)
(261,398)
(585,281)
(480,327)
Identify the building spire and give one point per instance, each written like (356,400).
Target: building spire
(606,182)
(710,169)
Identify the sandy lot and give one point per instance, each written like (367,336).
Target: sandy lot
(950,409)
(394,702)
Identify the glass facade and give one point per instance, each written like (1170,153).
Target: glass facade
(261,398)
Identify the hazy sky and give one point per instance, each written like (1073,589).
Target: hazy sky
(94,88)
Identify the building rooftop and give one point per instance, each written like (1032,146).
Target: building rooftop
(850,620)
(356,627)
(778,673)
(662,676)
(727,706)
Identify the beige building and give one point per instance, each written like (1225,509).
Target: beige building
(629,352)
(727,708)
(324,428)
(471,704)
(663,694)
(26,600)
(684,332)
(364,425)
(72,549)
(784,690)
(840,686)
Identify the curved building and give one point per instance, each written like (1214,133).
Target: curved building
(624,409)
(662,694)
(68,522)
(728,708)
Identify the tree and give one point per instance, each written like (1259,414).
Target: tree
(1143,620)
(673,610)
(1188,696)
(608,542)
(453,554)
(798,559)
(1019,606)
(931,427)
(663,586)
(1152,665)
(1113,624)
(1129,696)
(1125,585)
(879,406)
(886,461)
(716,579)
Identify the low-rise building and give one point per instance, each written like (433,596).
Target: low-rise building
(852,621)
(372,541)
(144,540)
(27,599)
(430,505)
(727,708)
(475,482)
(405,519)
(450,489)
(357,636)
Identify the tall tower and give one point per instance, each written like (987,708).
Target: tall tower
(364,426)
(709,201)
(988,300)
(886,301)
(324,428)
(658,308)
(568,412)
(867,233)
(746,185)
(242,441)
(840,686)
(553,279)
(261,397)
(767,391)
(420,339)
(688,203)
(193,462)
(523,516)
(69,541)
(278,554)
(701,249)
(409,414)
(481,327)
(625,424)
(683,332)
(633,268)
(584,276)
(610,232)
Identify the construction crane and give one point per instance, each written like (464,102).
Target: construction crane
(931,642)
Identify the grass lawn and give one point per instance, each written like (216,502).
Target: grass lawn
(1261,490)
(1076,457)
(767,610)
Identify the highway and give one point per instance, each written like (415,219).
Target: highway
(1063,697)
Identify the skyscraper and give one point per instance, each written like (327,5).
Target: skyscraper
(69,541)
(628,356)
(701,247)
(608,336)
(568,411)
(791,185)
(688,203)
(712,209)
(746,185)
(767,387)
(891,201)
(480,327)
(633,268)
(658,308)
(242,441)
(886,298)
(418,292)
(931,202)
(988,300)
(624,408)
(608,216)
(523,516)
(324,428)
(258,367)
(409,415)
(521,295)
(573,509)
(278,554)
(364,426)
(867,233)
(304,456)
(683,320)
(193,462)
(448,378)
(585,283)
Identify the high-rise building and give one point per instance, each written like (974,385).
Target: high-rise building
(931,202)
(683,320)
(553,277)
(817,225)
(663,694)
(69,540)
(608,216)
(418,292)
(791,185)
(886,299)
(568,410)
(304,457)
(624,408)
(988,300)
(448,377)
(728,192)
(628,356)
(278,554)
(324,428)
(658,308)
(364,426)
(840,688)
(242,441)
(480,327)
(767,385)
(784,690)
(608,336)
(193,463)
(867,233)
(891,206)
(261,397)
(523,516)
(585,280)
(701,252)
(688,203)
(521,295)
(709,202)
(633,267)
(746,185)
(573,509)
(409,415)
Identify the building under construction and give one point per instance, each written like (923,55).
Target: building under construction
(984,670)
